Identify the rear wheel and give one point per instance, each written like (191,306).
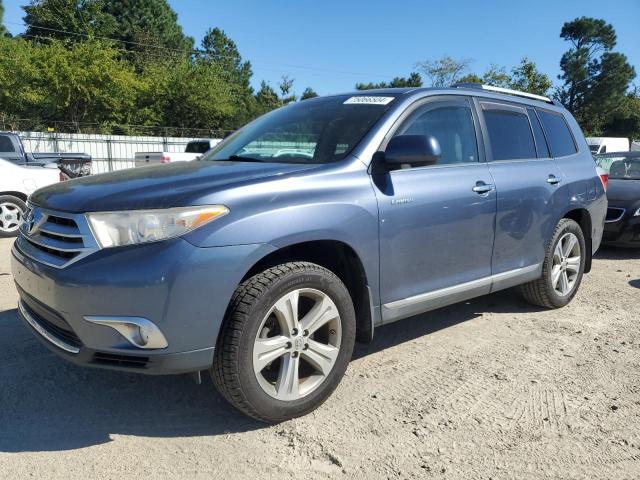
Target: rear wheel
(286,341)
(562,269)
(12,211)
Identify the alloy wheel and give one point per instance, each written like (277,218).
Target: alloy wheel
(297,344)
(566,264)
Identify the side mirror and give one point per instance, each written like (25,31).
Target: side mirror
(413,150)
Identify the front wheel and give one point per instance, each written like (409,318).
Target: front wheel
(12,211)
(562,269)
(286,341)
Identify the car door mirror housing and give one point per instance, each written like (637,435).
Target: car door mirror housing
(418,150)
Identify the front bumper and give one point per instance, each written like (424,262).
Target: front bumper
(183,289)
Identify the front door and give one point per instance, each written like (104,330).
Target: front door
(436,222)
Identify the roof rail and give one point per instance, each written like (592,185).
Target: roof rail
(506,91)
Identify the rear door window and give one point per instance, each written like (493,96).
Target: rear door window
(558,134)
(510,135)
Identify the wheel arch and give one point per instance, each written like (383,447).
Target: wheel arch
(19,195)
(583,218)
(341,259)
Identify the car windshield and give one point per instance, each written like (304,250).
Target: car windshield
(319,130)
(620,166)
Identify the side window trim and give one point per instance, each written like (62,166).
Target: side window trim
(480,103)
(452,100)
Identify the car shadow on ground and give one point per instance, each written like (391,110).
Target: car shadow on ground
(612,253)
(47,404)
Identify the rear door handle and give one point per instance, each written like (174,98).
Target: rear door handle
(553,180)
(482,187)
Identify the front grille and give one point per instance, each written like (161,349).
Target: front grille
(126,361)
(54,238)
(50,320)
(614,214)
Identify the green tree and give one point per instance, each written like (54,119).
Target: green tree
(80,18)
(496,76)
(182,94)
(266,99)
(527,78)
(147,21)
(87,83)
(219,50)
(3,30)
(445,71)
(596,79)
(308,93)
(413,80)
(18,97)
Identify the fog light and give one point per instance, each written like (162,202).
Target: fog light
(138,331)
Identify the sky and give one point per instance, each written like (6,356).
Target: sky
(331,45)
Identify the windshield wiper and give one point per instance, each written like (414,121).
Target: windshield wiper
(241,158)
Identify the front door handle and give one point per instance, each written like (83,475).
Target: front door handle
(553,180)
(482,187)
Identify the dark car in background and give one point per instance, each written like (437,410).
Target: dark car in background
(622,225)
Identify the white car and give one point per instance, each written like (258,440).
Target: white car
(16,184)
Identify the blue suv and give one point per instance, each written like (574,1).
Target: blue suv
(307,229)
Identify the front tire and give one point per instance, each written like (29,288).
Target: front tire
(286,341)
(562,269)
(12,211)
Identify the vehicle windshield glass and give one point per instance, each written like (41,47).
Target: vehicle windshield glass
(319,130)
(620,167)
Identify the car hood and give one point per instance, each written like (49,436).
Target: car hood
(161,186)
(623,191)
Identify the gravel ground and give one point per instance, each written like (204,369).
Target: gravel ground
(492,388)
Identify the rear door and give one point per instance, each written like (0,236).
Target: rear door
(436,222)
(529,189)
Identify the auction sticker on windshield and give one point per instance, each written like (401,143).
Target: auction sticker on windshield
(368,100)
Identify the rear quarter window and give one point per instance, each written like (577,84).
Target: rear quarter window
(561,142)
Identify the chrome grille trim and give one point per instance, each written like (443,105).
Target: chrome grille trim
(618,211)
(56,239)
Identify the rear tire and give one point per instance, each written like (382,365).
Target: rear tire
(562,269)
(272,364)
(12,211)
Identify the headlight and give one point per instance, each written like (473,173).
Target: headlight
(115,229)
(637,214)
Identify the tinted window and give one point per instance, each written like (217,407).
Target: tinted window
(6,145)
(452,126)
(509,134)
(197,147)
(558,134)
(541,143)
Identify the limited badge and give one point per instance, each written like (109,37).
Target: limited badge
(368,100)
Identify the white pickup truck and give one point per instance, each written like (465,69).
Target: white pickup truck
(599,145)
(16,184)
(194,150)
